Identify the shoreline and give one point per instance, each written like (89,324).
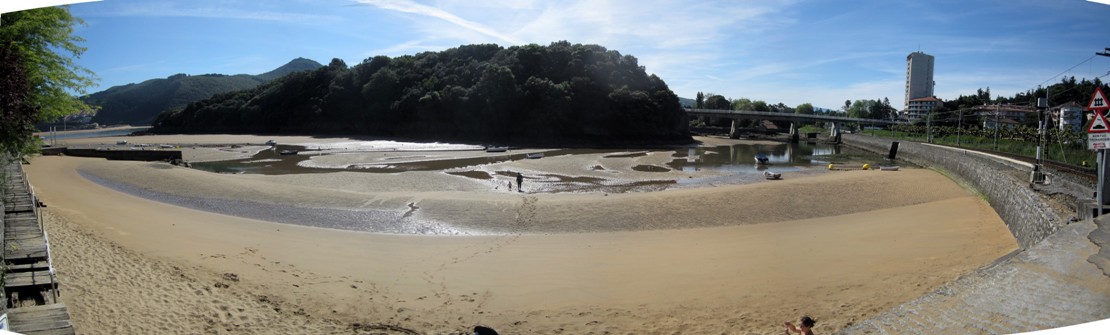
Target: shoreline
(850,257)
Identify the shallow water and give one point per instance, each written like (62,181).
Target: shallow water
(737,158)
(367,220)
(47,136)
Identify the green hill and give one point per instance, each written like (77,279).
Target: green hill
(139,104)
(533,94)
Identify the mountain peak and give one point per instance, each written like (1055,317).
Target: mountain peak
(296,65)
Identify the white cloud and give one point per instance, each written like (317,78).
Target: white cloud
(411,7)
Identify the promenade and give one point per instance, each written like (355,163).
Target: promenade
(1060,280)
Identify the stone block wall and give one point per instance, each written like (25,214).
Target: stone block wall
(1026,214)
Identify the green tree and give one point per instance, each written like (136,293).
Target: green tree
(717,102)
(42,44)
(700,101)
(806,108)
(742,104)
(760,106)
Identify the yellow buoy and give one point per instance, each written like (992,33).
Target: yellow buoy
(830,166)
(866,166)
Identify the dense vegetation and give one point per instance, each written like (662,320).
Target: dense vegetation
(140,103)
(559,94)
(36,59)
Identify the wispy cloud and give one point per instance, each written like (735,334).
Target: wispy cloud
(676,39)
(410,7)
(214,11)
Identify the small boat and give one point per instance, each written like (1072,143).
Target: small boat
(888,168)
(772,175)
(497,149)
(287,152)
(271,143)
(534,155)
(165,146)
(121,142)
(761,158)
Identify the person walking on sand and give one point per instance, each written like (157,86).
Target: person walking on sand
(805,325)
(519,180)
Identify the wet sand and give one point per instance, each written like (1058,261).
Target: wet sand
(733,259)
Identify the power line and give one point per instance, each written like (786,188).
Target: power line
(1069,69)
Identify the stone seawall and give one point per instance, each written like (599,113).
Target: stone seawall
(129,155)
(1005,184)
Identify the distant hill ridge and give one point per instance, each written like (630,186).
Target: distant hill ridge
(556,95)
(139,104)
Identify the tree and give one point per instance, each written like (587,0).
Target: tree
(717,102)
(16,115)
(33,39)
(806,109)
(699,103)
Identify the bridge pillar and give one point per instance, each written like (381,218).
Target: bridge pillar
(794,132)
(732,132)
(834,134)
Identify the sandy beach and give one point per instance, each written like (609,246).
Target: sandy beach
(723,259)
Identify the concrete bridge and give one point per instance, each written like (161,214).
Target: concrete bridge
(834,132)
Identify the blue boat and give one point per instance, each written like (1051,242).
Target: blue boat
(761,158)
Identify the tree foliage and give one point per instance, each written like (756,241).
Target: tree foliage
(525,94)
(806,109)
(38,47)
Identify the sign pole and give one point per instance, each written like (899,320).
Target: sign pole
(1100,196)
(1098,138)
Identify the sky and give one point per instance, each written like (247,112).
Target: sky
(790,51)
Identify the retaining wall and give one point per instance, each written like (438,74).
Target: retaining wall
(1027,216)
(129,155)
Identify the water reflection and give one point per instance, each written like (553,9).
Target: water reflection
(739,158)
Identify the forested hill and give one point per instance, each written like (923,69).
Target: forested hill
(557,94)
(139,104)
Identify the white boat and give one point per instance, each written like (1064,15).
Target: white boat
(497,149)
(772,175)
(534,155)
(121,142)
(888,168)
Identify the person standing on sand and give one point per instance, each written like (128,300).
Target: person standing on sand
(519,180)
(804,326)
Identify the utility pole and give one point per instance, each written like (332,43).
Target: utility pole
(959,126)
(997,125)
(1102,188)
(1038,175)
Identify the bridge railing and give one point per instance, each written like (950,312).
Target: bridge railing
(785,116)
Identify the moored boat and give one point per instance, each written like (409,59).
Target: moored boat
(761,158)
(772,175)
(534,155)
(497,149)
(287,152)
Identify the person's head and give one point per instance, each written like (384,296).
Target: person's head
(807,321)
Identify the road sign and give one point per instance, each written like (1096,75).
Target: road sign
(1098,125)
(1098,101)
(1097,141)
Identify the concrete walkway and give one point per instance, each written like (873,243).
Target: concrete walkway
(1052,284)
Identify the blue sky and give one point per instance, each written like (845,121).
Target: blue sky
(789,51)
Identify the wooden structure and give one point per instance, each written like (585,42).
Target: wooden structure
(30,284)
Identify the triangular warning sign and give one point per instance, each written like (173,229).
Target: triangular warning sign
(1098,125)
(1098,101)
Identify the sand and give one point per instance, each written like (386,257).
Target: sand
(732,259)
